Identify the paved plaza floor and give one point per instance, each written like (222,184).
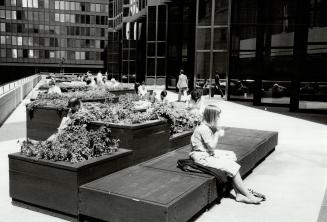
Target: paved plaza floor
(293,178)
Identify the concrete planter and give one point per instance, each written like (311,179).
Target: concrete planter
(55,185)
(122,91)
(179,140)
(147,140)
(42,122)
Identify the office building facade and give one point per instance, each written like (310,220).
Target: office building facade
(268,52)
(51,35)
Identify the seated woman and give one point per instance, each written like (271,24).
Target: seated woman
(195,104)
(74,104)
(141,90)
(205,151)
(163,97)
(53,88)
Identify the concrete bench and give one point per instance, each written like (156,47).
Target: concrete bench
(157,190)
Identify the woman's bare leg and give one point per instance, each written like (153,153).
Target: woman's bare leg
(242,194)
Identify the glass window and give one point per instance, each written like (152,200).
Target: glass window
(67,5)
(83,55)
(97,8)
(8,14)
(19,40)
(57,17)
(14,40)
(3,53)
(2,14)
(62,5)
(72,6)
(30,41)
(35,3)
(93,7)
(203,65)
(152,22)
(13,2)
(19,28)
(220,38)
(203,38)
(30,3)
(77,55)
(24,3)
(221,12)
(204,17)
(67,17)
(57,5)
(8,27)
(30,53)
(25,41)
(47,17)
(19,15)
(72,18)
(20,53)
(8,40)
(62,17)
(36,16)
(2,27)
(13,15)
(14,53)
(41,3)
(82,6)
(3,40)
(52,54)
(77,6)
(46,3)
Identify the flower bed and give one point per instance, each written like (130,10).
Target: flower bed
(74,143)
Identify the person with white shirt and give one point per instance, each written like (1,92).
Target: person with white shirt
(141,90)
(53,88)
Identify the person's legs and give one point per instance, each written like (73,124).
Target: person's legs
(242,193)
(179,94)
(232,169)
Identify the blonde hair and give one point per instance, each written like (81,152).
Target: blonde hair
(211,114)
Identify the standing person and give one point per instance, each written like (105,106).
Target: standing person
(182,84)
(53,88)
(204,143)
(217,85)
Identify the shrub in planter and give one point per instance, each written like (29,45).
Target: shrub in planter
(180,120)
(74,143)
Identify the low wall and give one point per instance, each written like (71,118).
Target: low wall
(11,99)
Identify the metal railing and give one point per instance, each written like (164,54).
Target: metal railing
(14,84)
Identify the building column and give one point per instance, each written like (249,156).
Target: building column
(259,52)
(300,50)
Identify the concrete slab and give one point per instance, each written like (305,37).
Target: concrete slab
(293,178)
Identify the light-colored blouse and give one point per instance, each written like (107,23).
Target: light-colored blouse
(202,136)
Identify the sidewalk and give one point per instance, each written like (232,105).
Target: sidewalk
(293,178)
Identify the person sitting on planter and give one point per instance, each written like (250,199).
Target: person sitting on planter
(53,88)
(195,104)
(74,104)
(141,90)
(114,83)
(205,151)
(136,87)
(163,96)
